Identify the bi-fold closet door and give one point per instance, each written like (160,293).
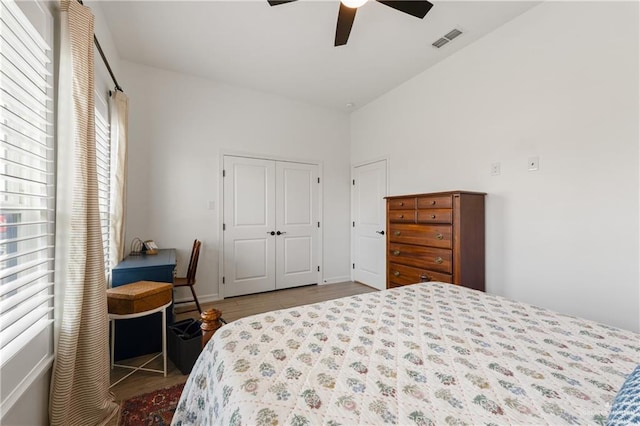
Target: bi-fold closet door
(271,228)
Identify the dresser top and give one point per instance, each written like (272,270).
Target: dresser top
(431,194)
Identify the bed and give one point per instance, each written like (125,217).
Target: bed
(425,354)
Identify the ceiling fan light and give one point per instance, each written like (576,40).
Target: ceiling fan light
(353,3)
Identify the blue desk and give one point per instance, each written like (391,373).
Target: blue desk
(140,336)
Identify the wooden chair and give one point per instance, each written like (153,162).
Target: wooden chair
(190,279)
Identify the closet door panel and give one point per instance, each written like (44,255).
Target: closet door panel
(249,248)
(297,223)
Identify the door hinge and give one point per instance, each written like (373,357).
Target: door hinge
(318,224)
(318,269)
(222,280)
(353,224)
(353,266)
(318,180)
(224,173)
(354,182)
(224,227)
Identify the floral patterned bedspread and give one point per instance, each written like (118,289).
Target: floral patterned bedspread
(423,354)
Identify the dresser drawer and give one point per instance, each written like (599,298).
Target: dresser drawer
(402,216)
(435,202)
(402,275)
(426,235)
(421,257)
(435,216)
(402,203)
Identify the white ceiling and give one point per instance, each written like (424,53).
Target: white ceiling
(288,49)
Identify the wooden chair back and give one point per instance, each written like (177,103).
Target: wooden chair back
(193,262)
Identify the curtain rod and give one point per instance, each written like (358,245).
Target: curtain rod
(104,59)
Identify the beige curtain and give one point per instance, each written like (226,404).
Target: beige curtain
(80,382)
(119,107)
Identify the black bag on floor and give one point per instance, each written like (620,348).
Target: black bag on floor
(184,343)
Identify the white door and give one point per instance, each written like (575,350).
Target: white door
(296,224)
(369,223)
(270,221)
(249,207)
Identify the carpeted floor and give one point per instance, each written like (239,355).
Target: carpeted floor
(153,408)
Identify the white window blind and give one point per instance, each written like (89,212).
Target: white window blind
(103,154)
(26,201)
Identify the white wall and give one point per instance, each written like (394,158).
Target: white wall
(559,82)
(178,128)
(33,406)
(103,81)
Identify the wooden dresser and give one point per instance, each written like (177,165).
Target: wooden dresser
(436,237)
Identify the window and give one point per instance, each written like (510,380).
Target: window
(103,154)
(26,199)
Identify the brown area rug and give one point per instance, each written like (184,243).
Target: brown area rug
(153,408)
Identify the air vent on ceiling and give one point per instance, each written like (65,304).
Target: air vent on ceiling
(440,42)
(452,34)
(446,38)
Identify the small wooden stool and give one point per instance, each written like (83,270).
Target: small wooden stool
(137,300)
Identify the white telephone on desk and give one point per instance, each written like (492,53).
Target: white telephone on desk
(150,247)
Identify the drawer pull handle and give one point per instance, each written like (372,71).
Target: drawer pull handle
(433,216)
(396,252)
(433,202)
(401,216)
(396,273)
(401,203)
(425,278)
(439,236)
(396,233)
(438,260)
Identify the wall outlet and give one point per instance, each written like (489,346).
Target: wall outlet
(495,169)
(533,164)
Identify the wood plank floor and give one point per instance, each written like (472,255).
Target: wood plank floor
(232,309)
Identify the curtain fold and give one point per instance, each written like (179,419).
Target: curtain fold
(119,107)
(79,393)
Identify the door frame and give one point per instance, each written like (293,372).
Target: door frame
(258,156)
(352,229)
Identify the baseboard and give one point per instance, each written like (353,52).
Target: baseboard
(202,298)
(335,280)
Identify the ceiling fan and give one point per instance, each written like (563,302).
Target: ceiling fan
(348,9)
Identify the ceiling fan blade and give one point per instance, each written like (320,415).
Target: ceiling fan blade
(346,15)
(277,2)
(417,8)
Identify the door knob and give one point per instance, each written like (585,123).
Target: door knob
(280,233)
(271,233)
(380,232)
